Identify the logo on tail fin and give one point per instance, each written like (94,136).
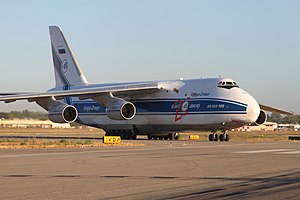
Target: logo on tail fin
(64,66)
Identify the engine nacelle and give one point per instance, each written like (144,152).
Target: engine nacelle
(262,118)
(120,110)
(63,114)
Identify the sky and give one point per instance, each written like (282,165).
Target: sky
(255,42)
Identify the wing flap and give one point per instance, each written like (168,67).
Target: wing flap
(275,110)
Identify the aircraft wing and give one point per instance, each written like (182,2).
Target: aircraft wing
(275,110)
(10,93)
(84,93)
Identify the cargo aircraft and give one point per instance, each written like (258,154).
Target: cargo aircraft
(158,109)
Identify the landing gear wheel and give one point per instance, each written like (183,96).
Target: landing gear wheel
(226,137)
(134,137)
(172,136)
(215,137)
(176,136)
(221,137)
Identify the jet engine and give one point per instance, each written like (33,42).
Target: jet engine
(120,110)
(63,113)
(262,118)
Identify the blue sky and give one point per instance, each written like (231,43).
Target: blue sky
(257,43)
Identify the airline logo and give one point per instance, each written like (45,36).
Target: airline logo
(64,66)
(182,107)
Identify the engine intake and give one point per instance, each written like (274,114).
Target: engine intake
(262,118)
(63,114)
(120,110)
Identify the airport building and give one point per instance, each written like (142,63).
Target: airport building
(29,123)
(288,127)
(269,126)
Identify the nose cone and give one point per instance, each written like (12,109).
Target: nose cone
(251,105)
(253,110)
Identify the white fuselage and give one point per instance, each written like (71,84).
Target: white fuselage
(197,104)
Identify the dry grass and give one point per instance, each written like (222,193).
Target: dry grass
(53,132)
(22,144)
(53,143)
(87,132)
(251,136)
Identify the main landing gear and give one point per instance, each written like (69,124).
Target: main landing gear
(170,136)
(222,137)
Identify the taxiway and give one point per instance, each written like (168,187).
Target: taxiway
(158,170)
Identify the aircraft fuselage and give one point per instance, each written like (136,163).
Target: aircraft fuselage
(198,105)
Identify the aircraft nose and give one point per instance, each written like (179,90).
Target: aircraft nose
(253,110)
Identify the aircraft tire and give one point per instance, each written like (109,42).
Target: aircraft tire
(226,137)
(173,136)
(221,137)
(210,137)
(176,136)
(215,136)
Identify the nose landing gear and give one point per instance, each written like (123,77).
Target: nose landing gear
(222,137)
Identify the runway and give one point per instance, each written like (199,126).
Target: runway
(157,170)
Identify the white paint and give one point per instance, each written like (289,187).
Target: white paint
(264,151)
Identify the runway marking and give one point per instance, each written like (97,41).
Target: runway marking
(266,151)
(289,152)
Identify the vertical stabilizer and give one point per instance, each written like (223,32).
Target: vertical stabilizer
(66,69)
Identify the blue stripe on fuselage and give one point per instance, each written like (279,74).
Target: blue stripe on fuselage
(171,106)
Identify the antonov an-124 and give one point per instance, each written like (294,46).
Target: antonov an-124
(158,109)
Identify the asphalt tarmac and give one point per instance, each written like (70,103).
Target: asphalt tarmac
(158,170)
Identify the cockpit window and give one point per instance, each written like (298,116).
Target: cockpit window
(227,84)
